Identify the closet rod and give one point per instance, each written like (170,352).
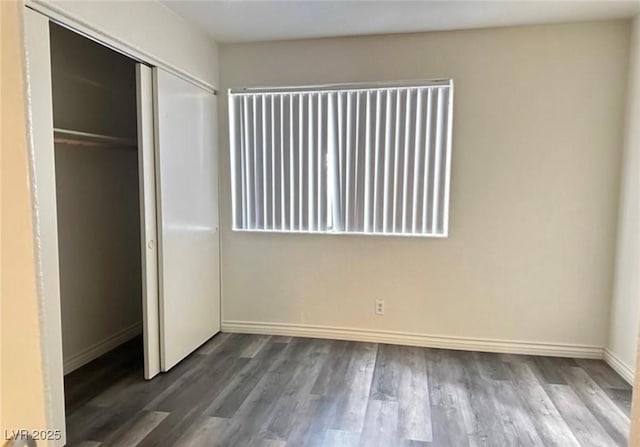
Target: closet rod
(94,137)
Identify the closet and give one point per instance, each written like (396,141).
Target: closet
(125,179)
(98,210)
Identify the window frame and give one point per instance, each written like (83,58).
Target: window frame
(341,88)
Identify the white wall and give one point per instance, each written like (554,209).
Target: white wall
(625,309)
(148,27)
(537,141)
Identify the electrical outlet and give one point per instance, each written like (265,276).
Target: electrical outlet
(379,307)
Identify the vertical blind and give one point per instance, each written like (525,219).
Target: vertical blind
(350,159)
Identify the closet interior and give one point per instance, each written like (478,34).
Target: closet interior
(98,208)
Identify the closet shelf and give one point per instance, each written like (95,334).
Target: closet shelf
(74,137)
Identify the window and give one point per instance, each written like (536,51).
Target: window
(359,159)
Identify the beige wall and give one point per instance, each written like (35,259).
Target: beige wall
(22,385)
(537,142)
(624,328)
(625,308)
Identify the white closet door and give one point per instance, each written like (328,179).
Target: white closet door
(148,221)
(187,182)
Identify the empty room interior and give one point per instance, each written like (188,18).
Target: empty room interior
(320,223)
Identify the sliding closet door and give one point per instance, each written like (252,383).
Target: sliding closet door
(187,183)
(148,221)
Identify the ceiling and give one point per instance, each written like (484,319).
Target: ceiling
(242,20)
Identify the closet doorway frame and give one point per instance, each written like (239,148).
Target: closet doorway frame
(43,186)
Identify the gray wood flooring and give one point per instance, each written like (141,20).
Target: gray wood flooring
(249,390)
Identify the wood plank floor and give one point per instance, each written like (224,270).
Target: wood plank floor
(250,390)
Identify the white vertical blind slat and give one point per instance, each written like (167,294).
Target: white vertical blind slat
(256,165)
(265,163)
(273,163)
(283,204)
(349,163)
(340,137)
(396,165)
(427,162)
(436,163)
(387,161)
(249,156)
(311,159)
(239,130)
(368,148)
(416,161)
(333,163)
(293,168)
(301,167)
(447,183)
(405,169)
(319,171)
(233,138)
(358,174)
(376,162)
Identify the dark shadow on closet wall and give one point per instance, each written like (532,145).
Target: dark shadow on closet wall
(97,191)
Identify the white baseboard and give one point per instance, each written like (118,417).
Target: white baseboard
(625,371)
(409,339)
(102,347)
